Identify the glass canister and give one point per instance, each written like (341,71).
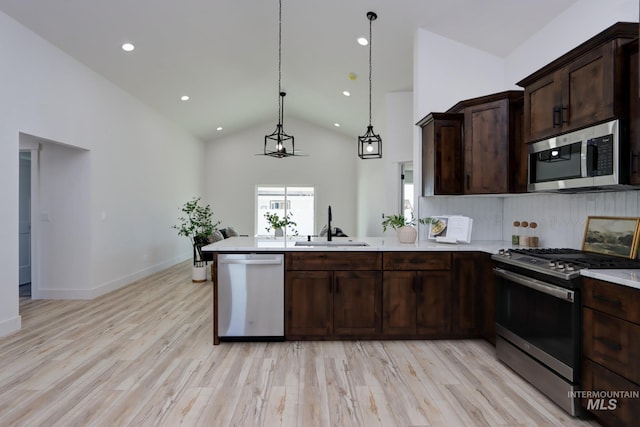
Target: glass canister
(515,237)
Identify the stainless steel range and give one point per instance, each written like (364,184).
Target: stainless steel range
(538,316)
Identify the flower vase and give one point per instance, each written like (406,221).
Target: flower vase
(407,234)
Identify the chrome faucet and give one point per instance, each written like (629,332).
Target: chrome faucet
(329,224)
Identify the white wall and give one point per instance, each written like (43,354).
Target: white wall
(561,218)
(136,167)
(233,170)
(576,25)
(379,179)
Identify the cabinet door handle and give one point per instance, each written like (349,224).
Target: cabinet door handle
(564,114)
(606,300)
(557,116)
(337,285)
(468,179)
(413,283)
(608,343)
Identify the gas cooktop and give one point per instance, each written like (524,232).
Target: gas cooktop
(563,263)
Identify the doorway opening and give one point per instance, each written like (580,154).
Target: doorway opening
(406,190)
(24,225)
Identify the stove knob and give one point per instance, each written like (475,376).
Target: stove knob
(551,264)
(500,251)
(569,267)
(507,253)
(560,265)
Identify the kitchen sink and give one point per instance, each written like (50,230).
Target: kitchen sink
(332,243)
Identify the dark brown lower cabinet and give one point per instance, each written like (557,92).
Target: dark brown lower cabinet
(416,303)
(470,279)
(433,304)
(611,347)
(356,302)
(612,410)
(326,303)
(308,303)
(404,295)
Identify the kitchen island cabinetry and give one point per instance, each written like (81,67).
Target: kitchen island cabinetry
(416,294)
(583,87)
(330,294)
(611,345)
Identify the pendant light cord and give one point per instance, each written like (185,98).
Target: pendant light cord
(370,43)
(280,112)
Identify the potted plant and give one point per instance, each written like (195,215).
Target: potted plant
(404,227)
(197,224)
(279,225)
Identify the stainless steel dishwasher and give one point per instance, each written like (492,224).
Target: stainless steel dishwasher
(250,297)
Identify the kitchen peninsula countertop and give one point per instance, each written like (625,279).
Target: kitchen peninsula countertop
(629,278)
(375,244)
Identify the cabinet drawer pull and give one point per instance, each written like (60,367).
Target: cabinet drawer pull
(563,114)
(606,300)
(609,343)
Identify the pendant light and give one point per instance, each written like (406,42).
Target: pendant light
(370,144)
(279,144)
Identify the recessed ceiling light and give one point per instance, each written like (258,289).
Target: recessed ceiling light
(346,93)
(219,128)
(337,125)
(362,41)
(184,98)
(128,47)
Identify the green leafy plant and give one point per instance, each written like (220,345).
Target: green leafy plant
(196,223)
(275,222)
(397,221)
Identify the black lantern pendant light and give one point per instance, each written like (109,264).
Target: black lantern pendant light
(370,144)
(279,144)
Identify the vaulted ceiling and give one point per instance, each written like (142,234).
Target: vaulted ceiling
(223,54)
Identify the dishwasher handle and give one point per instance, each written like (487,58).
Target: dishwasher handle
(249,261)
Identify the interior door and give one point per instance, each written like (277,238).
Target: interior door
(24,215)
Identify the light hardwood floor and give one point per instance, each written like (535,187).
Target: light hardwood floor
(143,356)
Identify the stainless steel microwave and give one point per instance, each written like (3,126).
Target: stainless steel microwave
(590,159)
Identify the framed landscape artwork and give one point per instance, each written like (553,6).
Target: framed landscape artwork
(611,236)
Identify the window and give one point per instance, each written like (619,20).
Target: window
(298,202)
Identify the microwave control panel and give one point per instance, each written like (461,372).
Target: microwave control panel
(600,156)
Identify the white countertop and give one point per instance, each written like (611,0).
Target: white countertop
(375,244)
(629,278)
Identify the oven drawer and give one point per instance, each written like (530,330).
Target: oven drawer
(617,300)
(612,342)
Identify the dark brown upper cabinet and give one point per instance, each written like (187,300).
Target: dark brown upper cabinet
(442,149)
(583,87)
(494,157)
(476,147)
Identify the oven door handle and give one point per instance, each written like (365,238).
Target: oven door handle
(547,288)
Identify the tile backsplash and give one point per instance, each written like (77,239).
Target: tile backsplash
(561,218)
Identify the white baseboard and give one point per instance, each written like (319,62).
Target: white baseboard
(87,294)
(10,326)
